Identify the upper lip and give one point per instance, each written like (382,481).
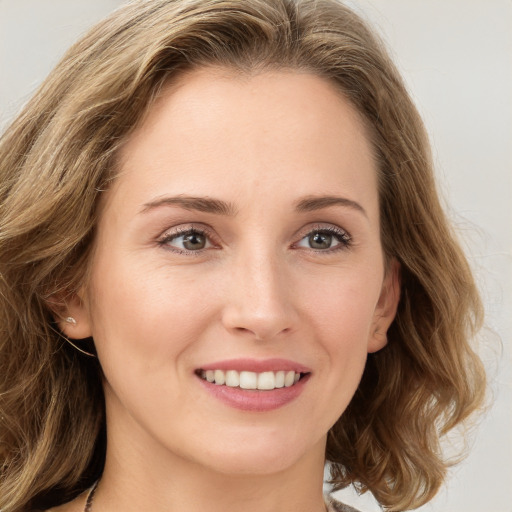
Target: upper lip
(257,365)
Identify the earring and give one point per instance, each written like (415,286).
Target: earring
(70,320)
(78,348)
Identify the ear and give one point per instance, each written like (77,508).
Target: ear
(71,315)
(385,310)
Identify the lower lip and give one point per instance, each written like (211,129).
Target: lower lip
(253,399)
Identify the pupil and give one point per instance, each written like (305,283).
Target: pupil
(320,241)
(194,241)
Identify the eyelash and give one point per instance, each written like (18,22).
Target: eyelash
(181,232)
(342,236)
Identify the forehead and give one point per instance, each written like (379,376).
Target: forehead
(214,131)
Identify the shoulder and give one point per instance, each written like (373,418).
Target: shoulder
(336,506)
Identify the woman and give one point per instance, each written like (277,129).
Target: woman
(223,264)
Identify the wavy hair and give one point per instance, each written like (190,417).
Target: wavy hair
(58,156)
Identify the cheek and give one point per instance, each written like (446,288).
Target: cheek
(145,313)
(338,311)
(144,323)
(341,303)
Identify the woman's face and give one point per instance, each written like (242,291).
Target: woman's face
(240,242)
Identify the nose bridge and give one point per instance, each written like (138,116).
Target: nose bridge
(259,298)
(262,277)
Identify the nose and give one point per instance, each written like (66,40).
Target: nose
(259,299)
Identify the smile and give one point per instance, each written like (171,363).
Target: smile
(256,385)
(263,381)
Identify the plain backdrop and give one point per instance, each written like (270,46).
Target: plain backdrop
(456,57)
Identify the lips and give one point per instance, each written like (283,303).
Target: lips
(254,385)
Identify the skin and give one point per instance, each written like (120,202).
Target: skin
(257,290)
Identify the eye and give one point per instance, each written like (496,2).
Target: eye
(188,240)
(325,239)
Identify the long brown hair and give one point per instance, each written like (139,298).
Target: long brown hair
(59,155)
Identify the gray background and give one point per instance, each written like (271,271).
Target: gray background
(456,57)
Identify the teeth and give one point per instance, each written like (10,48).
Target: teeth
(248,380)
(289,379)
(232,379)
(266,380)
(252,380)
(220,377)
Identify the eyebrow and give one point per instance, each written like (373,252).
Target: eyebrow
(220,207)
(200,204)
(313,203)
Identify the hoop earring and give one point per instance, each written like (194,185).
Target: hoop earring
(72,321)
(78,348)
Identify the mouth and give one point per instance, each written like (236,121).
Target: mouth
(255,381)
(254,385)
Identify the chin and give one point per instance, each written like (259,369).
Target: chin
(259,455)
(246,464)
